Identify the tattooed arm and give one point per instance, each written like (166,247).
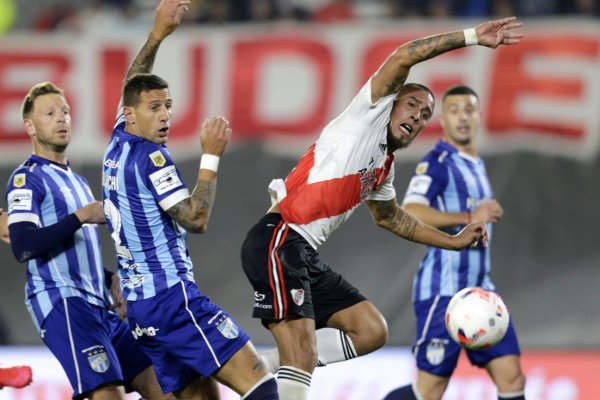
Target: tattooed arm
(193,213)
(388,215)
(393,73)
(166,19)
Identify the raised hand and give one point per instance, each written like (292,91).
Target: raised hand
(214,135)
(494,33)
(168,17)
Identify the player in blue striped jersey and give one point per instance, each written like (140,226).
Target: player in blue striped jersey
(149,209)
(450,189)
(52,223)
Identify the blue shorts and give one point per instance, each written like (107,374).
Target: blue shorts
(435,350)
(93,346)
(184,333)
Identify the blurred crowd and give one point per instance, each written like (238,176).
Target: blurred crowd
(73,14)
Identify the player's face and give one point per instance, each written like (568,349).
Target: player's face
(49,124)
(460,118)
(151,118)
(410,113)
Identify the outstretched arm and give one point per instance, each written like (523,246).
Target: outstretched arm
(166,19)
(393,73)
(193,213)
(488,211)
(388,215)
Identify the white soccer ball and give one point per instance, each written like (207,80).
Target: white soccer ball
(476,318)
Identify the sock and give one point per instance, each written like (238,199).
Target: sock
(293,383)
(270,359)
(402,393)
(264,389)
(520,395)
(333,346)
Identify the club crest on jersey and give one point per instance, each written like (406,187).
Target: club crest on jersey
(98,360)
(19,180)
(298,296)
(436,350)
(422,168)
(157,158)
(228,328)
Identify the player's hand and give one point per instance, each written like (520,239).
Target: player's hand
(494,33)
(4,236)
(488,211)
(91,213)
(119,304)
(215,135)
(168,17)
(472,235)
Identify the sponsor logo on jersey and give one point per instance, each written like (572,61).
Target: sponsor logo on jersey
(20,200)
(97,358)
(19,180)
(228,328)
(258,296)
(383,147)
(157,158)
(133,281)
(436,350)
(298,296)
(165,179)
(422,168)
(138,332)
(419,185)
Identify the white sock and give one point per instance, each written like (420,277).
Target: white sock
(333,346)
(293,383)
(270,359)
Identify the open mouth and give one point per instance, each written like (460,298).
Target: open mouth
(163,131)
(407,128)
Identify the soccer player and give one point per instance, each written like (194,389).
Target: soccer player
(450,189)
(350,163)
(149,211)
(52,219)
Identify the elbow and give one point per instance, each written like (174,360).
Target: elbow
(23,256)
(199,226)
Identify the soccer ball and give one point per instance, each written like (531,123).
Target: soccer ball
(476,319)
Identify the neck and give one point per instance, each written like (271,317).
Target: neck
(468,148)
(59,157)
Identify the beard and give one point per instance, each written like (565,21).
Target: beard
(395,143)
(53,146)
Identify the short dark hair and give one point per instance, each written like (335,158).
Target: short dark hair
(139,83)
(459,90)
(36,91)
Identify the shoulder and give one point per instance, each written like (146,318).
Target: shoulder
(24,176)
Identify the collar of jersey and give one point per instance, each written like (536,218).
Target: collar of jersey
(123,135)
(35,159)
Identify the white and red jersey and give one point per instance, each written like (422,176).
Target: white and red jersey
(347,165)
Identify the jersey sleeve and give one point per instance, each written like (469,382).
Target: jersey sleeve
(429,179)
(364,110)
(163,177)
(24,195)
(386,190)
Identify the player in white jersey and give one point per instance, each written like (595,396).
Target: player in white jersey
(315,316)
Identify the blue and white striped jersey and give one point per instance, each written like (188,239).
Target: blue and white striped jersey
(140,181)
(44,192)
(450,181)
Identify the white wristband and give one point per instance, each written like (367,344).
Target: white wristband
(470,37)
(209,161)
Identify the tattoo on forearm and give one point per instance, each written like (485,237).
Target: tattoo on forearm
(198,206)
(396,220)
(431,46)
(144,61)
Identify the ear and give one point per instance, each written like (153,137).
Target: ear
(129,114)
(29,127)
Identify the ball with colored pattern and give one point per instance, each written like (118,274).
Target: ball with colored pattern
(476,318)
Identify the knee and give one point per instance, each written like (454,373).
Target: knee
(373,335)
(512,383)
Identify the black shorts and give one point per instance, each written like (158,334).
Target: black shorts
(289,278)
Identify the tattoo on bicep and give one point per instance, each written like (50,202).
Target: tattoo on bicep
(394,87)
(426,48)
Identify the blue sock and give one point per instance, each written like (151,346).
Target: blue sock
(402,393)
(265,389)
